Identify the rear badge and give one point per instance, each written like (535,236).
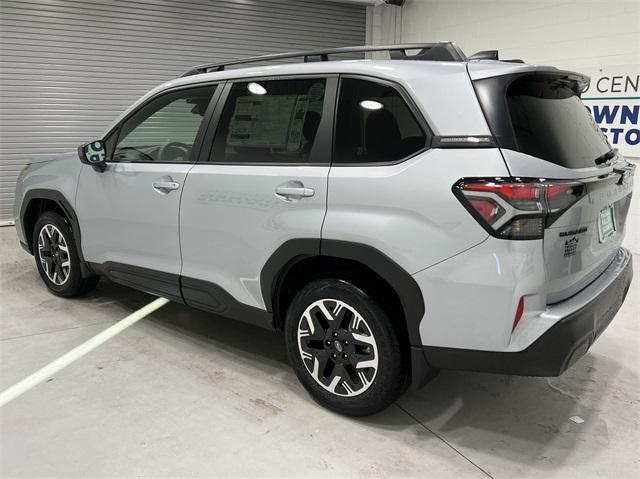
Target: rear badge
(573,232)
(570,246)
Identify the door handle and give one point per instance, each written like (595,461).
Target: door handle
(294,190)
(165,187)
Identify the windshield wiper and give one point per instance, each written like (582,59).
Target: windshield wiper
(606,156)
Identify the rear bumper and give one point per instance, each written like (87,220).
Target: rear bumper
(560,346)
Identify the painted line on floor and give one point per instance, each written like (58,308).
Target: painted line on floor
(76,353)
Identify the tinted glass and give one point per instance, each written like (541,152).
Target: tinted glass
(550,122)
(164,129)
(374,124)
(269,122)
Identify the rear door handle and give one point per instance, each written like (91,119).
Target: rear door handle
(165,187)
(294,190)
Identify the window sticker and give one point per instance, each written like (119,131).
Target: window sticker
(268,122)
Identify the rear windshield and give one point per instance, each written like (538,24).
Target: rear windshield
(544,118)
(550,122)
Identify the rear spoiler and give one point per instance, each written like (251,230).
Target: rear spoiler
(582,81)
(507,71)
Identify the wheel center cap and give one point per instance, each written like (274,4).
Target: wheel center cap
(338,346)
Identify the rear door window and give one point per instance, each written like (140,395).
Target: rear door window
(550,122)
(273,121)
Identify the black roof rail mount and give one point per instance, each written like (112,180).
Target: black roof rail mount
(442,51)
(491,55)
(485,55)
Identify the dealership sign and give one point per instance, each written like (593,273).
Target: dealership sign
(613,98)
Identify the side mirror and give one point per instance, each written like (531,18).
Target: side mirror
(94,153)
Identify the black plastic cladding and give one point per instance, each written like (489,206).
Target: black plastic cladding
(292,251)
(65,206)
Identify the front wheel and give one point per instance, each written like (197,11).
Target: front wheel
(57,257)
(343,348)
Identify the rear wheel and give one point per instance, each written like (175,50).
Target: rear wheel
(56,256)
(343,348)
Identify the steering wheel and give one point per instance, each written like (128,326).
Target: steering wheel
(168,152)
(122,154)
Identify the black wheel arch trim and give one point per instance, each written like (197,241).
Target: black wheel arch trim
(62,202)
(280,263)
(292,251)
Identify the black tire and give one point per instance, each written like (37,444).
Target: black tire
(377,391)
(74,284)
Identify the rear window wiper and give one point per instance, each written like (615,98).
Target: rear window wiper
(606,156)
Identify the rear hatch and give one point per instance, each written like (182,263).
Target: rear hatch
(546,133)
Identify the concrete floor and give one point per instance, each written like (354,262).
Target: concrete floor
(183,393)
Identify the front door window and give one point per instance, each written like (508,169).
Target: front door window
(164,130)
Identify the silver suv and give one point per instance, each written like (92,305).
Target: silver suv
(392,217)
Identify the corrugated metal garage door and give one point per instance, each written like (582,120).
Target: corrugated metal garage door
(69,67)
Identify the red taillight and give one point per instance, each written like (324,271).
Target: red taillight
(519,311)
(487,208)
(561,196)
(517,209)
(512,191)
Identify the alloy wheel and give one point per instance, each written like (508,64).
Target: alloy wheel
(337,347)
(53,252)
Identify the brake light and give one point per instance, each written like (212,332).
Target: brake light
(517,208)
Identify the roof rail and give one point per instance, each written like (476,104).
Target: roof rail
(443,51)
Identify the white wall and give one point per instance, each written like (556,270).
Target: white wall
(570,34)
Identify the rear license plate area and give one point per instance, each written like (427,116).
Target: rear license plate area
(606,223)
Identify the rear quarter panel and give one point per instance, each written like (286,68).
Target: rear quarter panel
(407,210)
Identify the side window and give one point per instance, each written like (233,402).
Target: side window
(164,129)
(374,124)
(273,121)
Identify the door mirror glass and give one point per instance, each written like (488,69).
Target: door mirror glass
(93,153)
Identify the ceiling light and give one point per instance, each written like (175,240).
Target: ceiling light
(371,105)
(257,89)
